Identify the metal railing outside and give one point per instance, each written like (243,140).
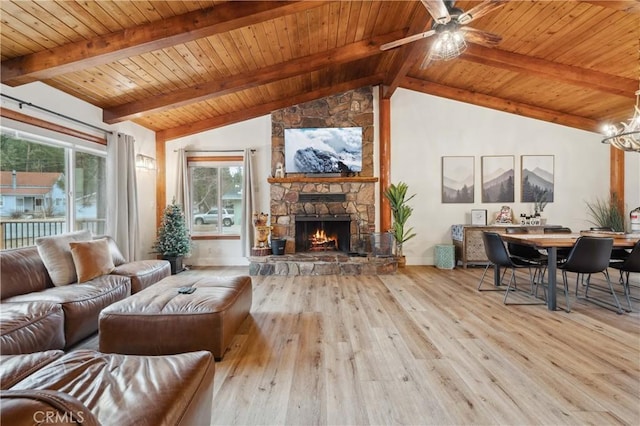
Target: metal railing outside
(23,233)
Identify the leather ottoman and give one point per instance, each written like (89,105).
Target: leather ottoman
(159,320)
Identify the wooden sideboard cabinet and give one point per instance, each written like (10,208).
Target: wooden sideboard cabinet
(469,247)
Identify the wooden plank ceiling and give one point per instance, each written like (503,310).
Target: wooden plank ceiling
(182,67)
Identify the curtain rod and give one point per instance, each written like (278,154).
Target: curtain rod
(21,103)
(214,150)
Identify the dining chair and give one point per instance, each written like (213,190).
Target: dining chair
(629,265)
(617,254)
(528,254)
(562,253)
(497,254)
(589,255)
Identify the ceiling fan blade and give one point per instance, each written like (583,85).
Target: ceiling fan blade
(480,10)
(406,40)
(474,35)
(438,10)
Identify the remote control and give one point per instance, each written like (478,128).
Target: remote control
(186,290)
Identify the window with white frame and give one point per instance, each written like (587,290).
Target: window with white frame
(49,186)
(216,195)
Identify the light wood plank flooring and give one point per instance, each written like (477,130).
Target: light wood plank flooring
(423,347)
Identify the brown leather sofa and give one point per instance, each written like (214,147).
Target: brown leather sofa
(34,311)
(91,388)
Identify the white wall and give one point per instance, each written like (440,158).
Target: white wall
(256,134)
(424,128)
(47,97)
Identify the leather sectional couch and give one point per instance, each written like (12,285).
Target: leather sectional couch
(36,315)
(41,384)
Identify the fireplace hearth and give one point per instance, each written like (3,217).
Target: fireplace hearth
(322,233)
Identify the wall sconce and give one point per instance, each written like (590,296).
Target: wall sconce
(145,162)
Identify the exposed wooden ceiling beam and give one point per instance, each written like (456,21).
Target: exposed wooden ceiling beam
(259,110)
(202,92)
(145,38)
(539,67)
(500,104)
(408,54)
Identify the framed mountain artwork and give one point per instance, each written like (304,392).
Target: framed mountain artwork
(537,178)
(498,179)
(457,179)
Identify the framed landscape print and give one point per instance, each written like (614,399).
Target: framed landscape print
(537,178)
(457,179)
(497,179)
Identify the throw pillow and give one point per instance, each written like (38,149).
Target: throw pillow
(116,254)
(56,255)
(91,259)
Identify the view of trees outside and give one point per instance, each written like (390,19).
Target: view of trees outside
(217,190)
(24,156)
(34,190)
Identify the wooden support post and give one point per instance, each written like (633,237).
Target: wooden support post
(616,185)
(385,159)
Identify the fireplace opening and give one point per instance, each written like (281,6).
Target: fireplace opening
(323,233)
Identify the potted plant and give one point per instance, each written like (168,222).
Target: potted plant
(606,214)
(401,211)
(173,241)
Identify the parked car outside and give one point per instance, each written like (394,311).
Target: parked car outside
(212,217)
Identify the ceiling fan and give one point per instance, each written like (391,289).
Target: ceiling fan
(449,26)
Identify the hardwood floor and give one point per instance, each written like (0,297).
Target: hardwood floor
(423,347)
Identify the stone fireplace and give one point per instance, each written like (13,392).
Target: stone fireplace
(341,204)
(342,208)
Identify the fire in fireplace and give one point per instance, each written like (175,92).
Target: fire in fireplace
(320,241)
(323,233)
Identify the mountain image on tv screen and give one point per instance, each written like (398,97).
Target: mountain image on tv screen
(323,150)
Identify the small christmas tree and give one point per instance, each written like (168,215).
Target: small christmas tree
(173,237)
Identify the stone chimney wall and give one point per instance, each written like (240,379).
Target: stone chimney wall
(350,109)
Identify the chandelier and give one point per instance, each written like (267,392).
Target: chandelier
(449,45)
(626,137)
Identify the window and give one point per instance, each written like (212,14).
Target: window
(216,195)
(48,187)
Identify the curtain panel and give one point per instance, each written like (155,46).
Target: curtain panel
(122,193)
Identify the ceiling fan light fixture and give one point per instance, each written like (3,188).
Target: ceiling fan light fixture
(448,45)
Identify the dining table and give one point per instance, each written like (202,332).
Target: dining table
(551,243)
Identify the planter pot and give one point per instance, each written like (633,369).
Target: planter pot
(402,261)
(175,262)
(278,245)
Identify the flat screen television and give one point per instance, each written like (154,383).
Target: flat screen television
(323,150)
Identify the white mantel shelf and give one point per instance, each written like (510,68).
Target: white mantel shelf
(306,179)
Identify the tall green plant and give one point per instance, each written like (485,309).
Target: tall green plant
(401,211)
(606,214)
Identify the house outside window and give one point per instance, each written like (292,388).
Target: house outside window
(216,196)
(49,187)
